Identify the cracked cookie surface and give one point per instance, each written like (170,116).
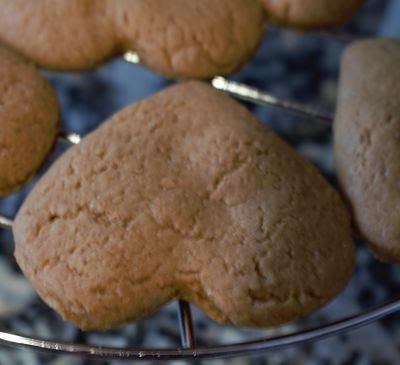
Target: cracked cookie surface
(28,120)
(309,14)
(367,141)
(177,38)
(184,195)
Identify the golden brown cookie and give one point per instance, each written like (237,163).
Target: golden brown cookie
(184,195)
(28,120)
(309,14)
(177,38)
(367,141)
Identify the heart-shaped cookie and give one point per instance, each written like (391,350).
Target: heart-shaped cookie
(28,120)
(184,195)
(309,14)
(177,38)
(367,141)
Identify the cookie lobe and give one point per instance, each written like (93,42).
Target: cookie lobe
(310,14)
(28,118)
(367,141)
(190,39)
(184,195)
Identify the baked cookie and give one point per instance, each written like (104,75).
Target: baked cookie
(367,141)
(309,14)
(177,38)
(28,120)
(184,195)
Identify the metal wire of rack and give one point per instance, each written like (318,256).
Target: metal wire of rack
(188,348)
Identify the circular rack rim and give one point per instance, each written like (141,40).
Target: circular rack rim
(229,350)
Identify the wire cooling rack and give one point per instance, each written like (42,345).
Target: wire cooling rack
(187,348)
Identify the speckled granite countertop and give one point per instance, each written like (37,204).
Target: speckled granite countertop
(291,65)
